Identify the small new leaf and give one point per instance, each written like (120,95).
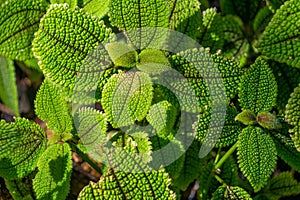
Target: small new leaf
(50,106)
(22,143)
(246,117)
(256,156)
(268,120)
(258,89)
(280,41)
(127,97)
(53,178)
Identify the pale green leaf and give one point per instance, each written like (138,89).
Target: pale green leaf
(50,106)
(258,89)
(281,39)
(256,156)
(127,97)
(230,192)
(70,48)
(18,22)
(22,142)
(53,178)
(292,116)
(246,117)
(98,8)
(8,87)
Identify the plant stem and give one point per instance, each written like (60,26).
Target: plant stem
(85,158)
(226,155)
(217,156)
(220,180)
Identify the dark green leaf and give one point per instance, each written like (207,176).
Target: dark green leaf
(263,18)
(230,192)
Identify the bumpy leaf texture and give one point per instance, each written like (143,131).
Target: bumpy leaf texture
(256,156)
(53,178)
(211,33)
(18,22)
(245,9)
(69,47)
(127,184)
(127,97)
(230,192)
(51,107)
(72,3)
(258,89)
(22,143)
(235,42)
(281,39)
(283,185)
(185,17)
(8,88)
(209,129)
(292,115)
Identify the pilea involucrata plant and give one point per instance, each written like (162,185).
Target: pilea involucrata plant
(165,99)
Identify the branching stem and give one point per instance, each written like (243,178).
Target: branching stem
(226,155)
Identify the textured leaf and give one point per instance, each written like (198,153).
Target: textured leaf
(21,143)
(98,8)
(246,117)
(126,183)
(256,156)
(263,18)
(8,88)
(236,44)
(51,106)
(258,89)
(283,185)
(285,147)
(53,178)
(210,129)
(185,17)
(230,192)
(72,3)
(21,188)
(191,167)
(127,97)
(268,120)
(15,41)
(287,79)
(292,116)
(131,14)
(211,31)
(281,39)
(245,9)
(69,46)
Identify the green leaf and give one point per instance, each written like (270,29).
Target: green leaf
(287,79)
(235,42)
(51,106)
(258,89)
(206,180)
(256,156)
(8,87)
(292,116)
(21,188)
(229,171)
(231,192)
(69,47)
(283,185)
(268,120)
(97,8)
(22,142)
(124,99)
(15,41)
(245,9)
(281,39)
(131,180)
(53,178)
(191,167)
(263,18)
(212,30)
(285,147)
(185,17)
(132,14)
(211,131)
(246,117)
(72,3)
(91,128)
